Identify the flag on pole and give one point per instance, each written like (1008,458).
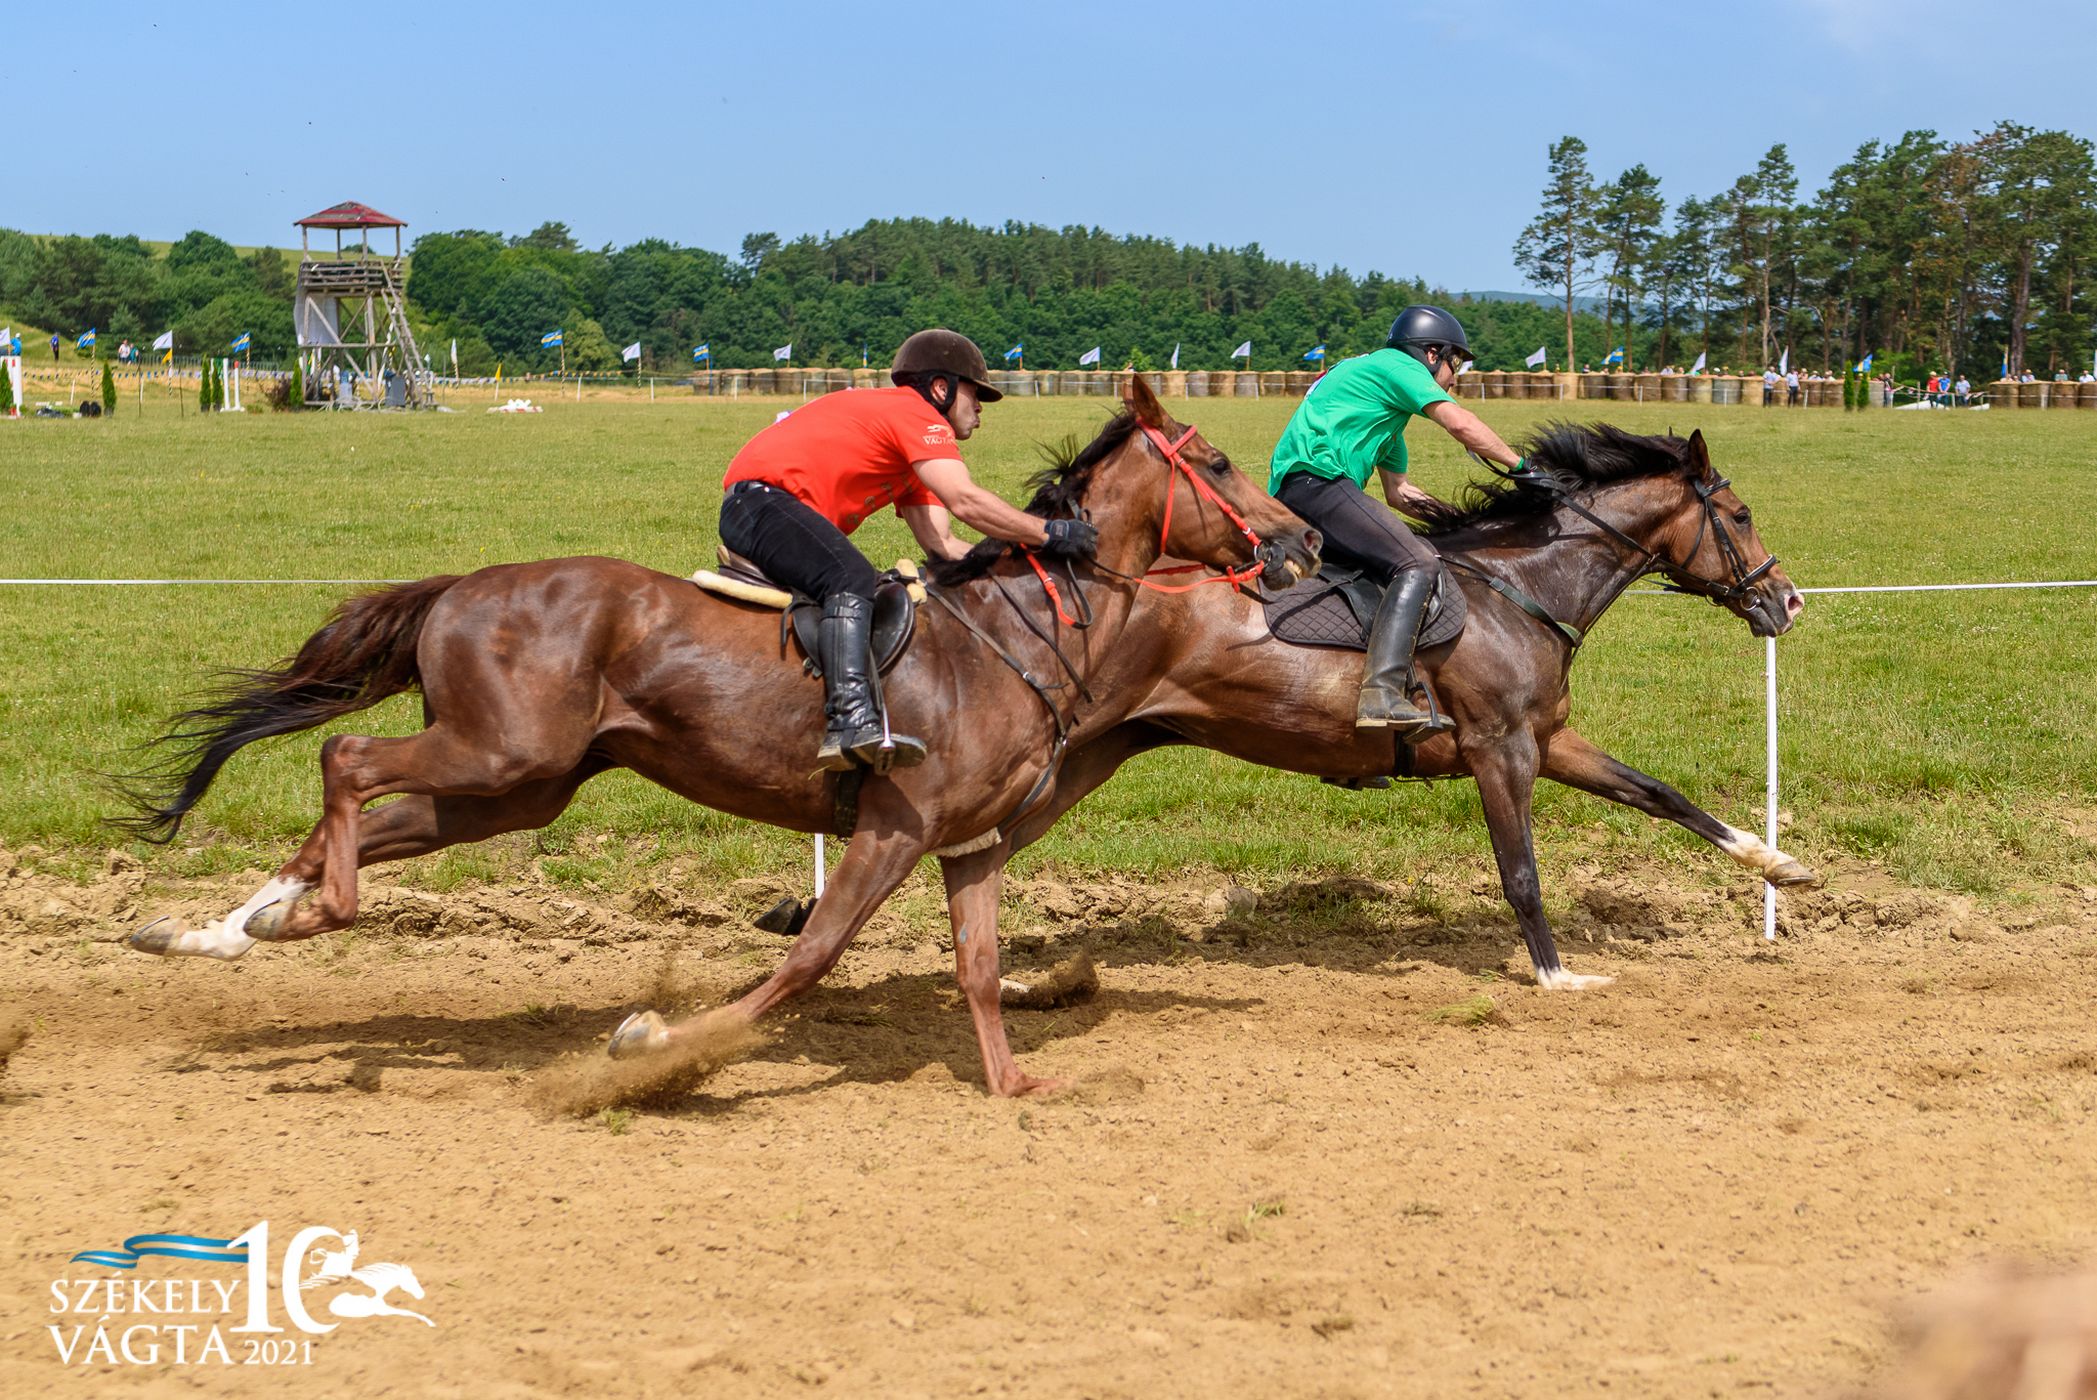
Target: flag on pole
(240,342)
(631,352)
(1534,360)
(1090,357)
(1243,352)
(1864,365)
(1616,356)
(498,372)
(702,352)
(1316,352)
(87,339)
(165,341)
(1784,361)
(1016,351)
(455,357)
(784,352)
(2005,360)
(1698,367)
(550,339)
(1175,354)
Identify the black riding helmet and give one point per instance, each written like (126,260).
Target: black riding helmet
(1419,329)
(930,356)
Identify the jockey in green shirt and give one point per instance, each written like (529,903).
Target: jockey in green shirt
(1351,426)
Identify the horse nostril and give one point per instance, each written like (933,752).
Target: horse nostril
(1794,605)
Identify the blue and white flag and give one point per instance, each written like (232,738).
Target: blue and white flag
(1243,352)
(702,352)
(1316,352)
(127,1255)
(1534,360)
(87,339)
(549,340)
(784,352)
(631,352)
(1016,351)
(1616,356)
(240,342)
(1864,365)
(1090,357)
(1175,354)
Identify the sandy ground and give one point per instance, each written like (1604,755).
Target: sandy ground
(1288,1166)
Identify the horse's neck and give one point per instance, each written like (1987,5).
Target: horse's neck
(1562,560)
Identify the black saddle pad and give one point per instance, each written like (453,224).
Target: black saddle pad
(895,618)
(1335,607)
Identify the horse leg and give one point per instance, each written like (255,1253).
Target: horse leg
(1571,759)
(1506,774)
(974,883)
(486,797)
(876,861)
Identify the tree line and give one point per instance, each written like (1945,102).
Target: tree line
(1932,254)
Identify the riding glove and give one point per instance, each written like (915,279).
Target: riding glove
(1070,539)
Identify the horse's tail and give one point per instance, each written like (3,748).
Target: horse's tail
(364,653)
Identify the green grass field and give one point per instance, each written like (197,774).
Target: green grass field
(1941,735)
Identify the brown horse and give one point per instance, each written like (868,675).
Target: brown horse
(1612,508)
(537,677)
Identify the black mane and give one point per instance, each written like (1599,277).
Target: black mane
(1059,488)
(1582,454)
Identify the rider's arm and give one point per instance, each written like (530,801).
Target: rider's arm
(1408,499)
(933,526)
(1470,430)
(976,507)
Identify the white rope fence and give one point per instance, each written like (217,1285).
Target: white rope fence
(1769,668)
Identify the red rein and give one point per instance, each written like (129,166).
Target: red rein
(1231,576)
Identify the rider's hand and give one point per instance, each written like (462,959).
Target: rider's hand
(1070,539)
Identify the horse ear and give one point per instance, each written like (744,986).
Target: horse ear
(1699,455)
(1143,405)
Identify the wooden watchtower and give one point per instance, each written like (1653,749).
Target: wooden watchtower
(352,316)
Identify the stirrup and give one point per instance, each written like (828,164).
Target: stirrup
(882,753)
(1435,723)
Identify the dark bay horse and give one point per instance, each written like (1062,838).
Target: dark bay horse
(537,677)
(1616,508)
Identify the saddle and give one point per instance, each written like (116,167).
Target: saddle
(895,607)
(1335,607)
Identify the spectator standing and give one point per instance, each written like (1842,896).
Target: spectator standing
(1769,386)
(1791,388)
(54,347)
(1963,388)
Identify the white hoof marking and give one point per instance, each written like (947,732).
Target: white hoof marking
(1560,980)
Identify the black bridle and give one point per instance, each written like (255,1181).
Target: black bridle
(1707,488)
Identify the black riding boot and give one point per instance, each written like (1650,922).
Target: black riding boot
(852,723)
(1386,701)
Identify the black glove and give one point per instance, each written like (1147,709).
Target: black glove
(1070,539)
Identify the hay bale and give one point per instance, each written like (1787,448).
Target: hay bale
(2086,395)
(1197,383)
(1298,382)
(1495,383)
(1273,384)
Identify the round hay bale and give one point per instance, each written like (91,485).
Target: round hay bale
(1155,378)
(761,381)
(871,379)
(1495,383)
(1645,388)
(1698,387)
(1273,384)
(1674,388)
(2086,395)
(1300,381)
(1247,384)
(1175,384)
(1101,386)
(1197,383)
(2031,395)
(735,381)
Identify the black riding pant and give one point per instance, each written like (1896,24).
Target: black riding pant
(1359,533)
(793,545)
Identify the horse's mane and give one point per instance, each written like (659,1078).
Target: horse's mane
(1580,454)
(1059,488)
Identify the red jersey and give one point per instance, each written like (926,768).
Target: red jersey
(847,454)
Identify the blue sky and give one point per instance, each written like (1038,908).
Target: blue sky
(1401,137)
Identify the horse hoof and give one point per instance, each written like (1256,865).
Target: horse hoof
(158,937)
(642,1033)
(1560,980)
(1792,875)
(267,923)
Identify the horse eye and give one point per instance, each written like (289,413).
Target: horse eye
(1221,466)
(1742,516)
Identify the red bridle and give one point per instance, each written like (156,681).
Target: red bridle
(1171,451)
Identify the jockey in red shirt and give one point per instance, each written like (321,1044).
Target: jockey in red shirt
(800,486)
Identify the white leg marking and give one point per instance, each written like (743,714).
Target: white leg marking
(1560,980)
(1752,851)
(223,938)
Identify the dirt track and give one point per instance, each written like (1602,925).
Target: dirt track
(1279,1173)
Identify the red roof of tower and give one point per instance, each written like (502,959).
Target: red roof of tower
(350,214)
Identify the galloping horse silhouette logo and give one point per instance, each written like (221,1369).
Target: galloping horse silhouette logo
(338,1266)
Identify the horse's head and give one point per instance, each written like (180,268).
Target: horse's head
(1176,493)
(1711,549)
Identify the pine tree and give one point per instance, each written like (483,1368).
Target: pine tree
(298,384)
(1559,246)
(218,386)
(7,393)
(204,387)
(108,390)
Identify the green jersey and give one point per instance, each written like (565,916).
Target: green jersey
(1353,419)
